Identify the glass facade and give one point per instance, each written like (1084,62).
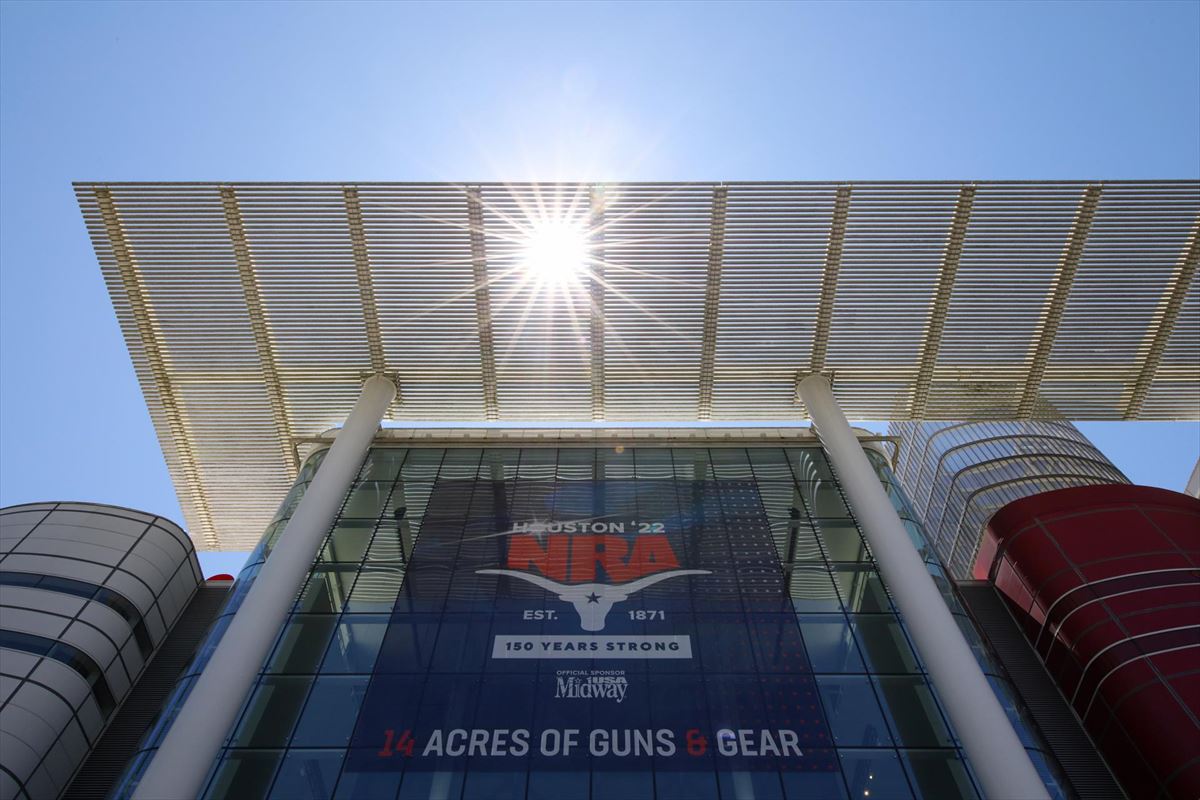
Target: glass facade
(738,640)
(959,474)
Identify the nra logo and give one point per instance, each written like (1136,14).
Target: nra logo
(575,568)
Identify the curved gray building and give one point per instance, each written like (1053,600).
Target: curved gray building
(87,594)
(960,473)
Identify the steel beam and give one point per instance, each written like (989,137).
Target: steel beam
(596,295)
(829,279)
(366,288)
(712,299)
(940,304)
(483,304)
(1056,302)
(144,319)
(1163,322)
(261,329)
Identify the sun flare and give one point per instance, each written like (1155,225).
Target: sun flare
(556,252)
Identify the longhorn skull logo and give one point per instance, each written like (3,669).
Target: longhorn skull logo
(593,601)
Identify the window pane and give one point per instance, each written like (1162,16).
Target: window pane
(348,541)
(272,712)
(853,712)
(375,590)
(910,708)
(361,777)
(842,540)
(829,644)
(874,774)
(730,463)
(653,462)
(826,785)
(692,464)
(355,644)
(302,644)
(422,464)
(311,465)
(460,462)
(326,590)
(614,463)
(499,464)
(824,499)
(809,464)
(331,711)
(938,773)
(861,589)
(393,539)
(811,589)
(798,542)
(537,463)
(244,775)
(770,464)
(307,775)
(576,464)
(383,464)
(367,500)
(491,784)
(883,643)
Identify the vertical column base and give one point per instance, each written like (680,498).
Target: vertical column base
(988,738)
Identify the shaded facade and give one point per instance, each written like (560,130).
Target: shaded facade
(88,594)
(387,640)
(1105,581)
(959,474)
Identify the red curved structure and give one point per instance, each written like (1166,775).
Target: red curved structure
(1106,582)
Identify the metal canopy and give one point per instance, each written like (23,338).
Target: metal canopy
(253,312)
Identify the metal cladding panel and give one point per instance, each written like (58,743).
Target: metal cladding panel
(775,236)
(253,311)
(303,259)
(656,242)
(894,242)
(1183,346)
(88,592)
(1010,256)
(419,251)
(1104,581)
(1115,305)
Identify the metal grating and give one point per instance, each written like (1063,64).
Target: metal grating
(252,312)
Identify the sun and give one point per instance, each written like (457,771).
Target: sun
(556,252)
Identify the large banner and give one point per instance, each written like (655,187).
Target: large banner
(591,626)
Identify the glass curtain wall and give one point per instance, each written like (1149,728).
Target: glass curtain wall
(960,473)
(877,728)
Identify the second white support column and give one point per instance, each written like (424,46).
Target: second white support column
(997,755)
(181,763)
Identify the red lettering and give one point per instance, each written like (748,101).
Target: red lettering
(525,552)
(387,751)
(651,554)
(607,551)
(621,564)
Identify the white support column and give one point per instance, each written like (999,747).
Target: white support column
(206,719)
(988,738)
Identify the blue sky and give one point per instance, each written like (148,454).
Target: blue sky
(227,91)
